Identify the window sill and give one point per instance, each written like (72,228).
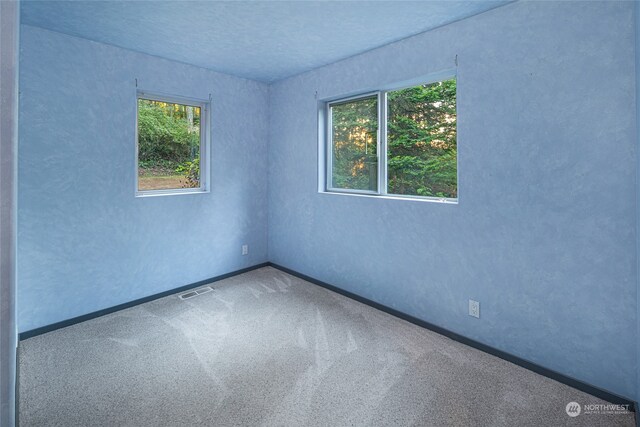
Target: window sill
(176,192)
(441,200)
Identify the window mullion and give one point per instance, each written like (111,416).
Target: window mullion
(329,149)
(382,146)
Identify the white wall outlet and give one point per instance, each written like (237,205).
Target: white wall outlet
(245,249)
(474,308)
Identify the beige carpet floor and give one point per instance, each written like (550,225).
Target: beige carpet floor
(266,348)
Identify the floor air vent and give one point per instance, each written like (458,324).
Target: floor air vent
(196,292)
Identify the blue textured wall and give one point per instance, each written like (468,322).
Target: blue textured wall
(84,242)
(544,234)
(9,58)
(637,76)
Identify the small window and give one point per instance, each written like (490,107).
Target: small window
(398,142)
(171,145)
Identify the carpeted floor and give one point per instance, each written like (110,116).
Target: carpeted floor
(266,348)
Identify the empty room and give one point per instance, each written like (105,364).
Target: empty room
(319,213)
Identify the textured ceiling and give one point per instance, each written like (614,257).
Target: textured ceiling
(264,40)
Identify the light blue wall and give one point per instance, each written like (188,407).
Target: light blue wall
(9,48)
(84,242)
(637,76)
(544,234)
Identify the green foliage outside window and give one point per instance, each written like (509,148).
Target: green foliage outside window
(355,139)
(421,140)
(191,172)
(168,145)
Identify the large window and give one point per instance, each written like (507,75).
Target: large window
(171,145)
(400,142)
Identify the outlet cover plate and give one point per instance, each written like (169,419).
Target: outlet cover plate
(474,308)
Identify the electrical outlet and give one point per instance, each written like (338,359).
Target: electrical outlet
(245,249)
(474,308)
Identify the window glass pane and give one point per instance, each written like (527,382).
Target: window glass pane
(421,140)
(354,132)
(168,145)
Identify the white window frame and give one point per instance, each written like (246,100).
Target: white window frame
(326,139)
(205,142)
(329,175)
